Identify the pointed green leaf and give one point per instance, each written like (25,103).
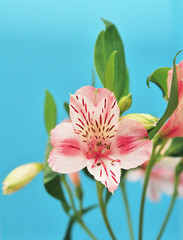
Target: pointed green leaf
(159,77)
(50,112)
(172,104)
(107,42)
(66,106)
(88,209)
(109,72)
(176,148)
(52,182)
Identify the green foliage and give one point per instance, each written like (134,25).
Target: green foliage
(66,106)
(105,57)
(159,77)
(172,103)
(176,148)
(93,78)
(50,112)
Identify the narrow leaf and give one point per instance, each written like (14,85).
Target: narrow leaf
(66,106)
(86,210)
(50,112)
(176,148)
(109,72)
(159,77)
(68,233)
(52,181)
(107,42)
(172,104)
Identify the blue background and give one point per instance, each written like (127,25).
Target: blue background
(49,45)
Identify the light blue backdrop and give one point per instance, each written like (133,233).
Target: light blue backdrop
(49,44)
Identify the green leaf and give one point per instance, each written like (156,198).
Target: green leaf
(109,72)
(87,173)
(172,103)
(66,106)
(107,42)
(52,181)
(176,148)
(159,77)
(93,78)
(88,209)
(50,112)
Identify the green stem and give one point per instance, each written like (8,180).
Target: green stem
(167,216)
(69,192)
(86,229)
(100,189)
(174,196)
(127,209)
(150,165)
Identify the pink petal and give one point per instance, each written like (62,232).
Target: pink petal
(106,172)
(131,144)
(135,175)
(67,155)
(153,192)
(95,95)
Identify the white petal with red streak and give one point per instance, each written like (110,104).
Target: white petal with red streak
(131,145)
(109,176)
(67,155)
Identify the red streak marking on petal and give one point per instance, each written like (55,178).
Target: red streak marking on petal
(81,122)
(128,144)
(104,168)
(77,97)
(112,136)
(105,103)
(100,172)
(74,108)
(110,119)
(114,104)
(93,130)
(105,183)
(89,116)
(111,128)
(83,102)
(112,173)
(100,119)
(105,118)
(114,179)
(85,107)
(80,126)
(102,110)
(96,123)
(83,114)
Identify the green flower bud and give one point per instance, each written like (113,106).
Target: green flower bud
(125,103)
(147,120)
(20,177)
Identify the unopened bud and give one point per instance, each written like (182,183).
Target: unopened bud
(74,177)
(125,103)
(147,120)
(20,177)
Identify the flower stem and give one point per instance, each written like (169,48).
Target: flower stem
(174,196)
(69,192)
(123,190)
(150,165)
(100,189)
(86,229)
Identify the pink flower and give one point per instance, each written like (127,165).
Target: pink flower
(96,139)
(174,126)
(161,179)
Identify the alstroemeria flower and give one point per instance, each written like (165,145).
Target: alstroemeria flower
(174,126)
(161,179)
(96,139)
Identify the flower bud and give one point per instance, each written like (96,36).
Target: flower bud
(147,120)
(125,103)
(74,177)
(20,177)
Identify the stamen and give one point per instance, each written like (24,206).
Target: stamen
(96,159)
